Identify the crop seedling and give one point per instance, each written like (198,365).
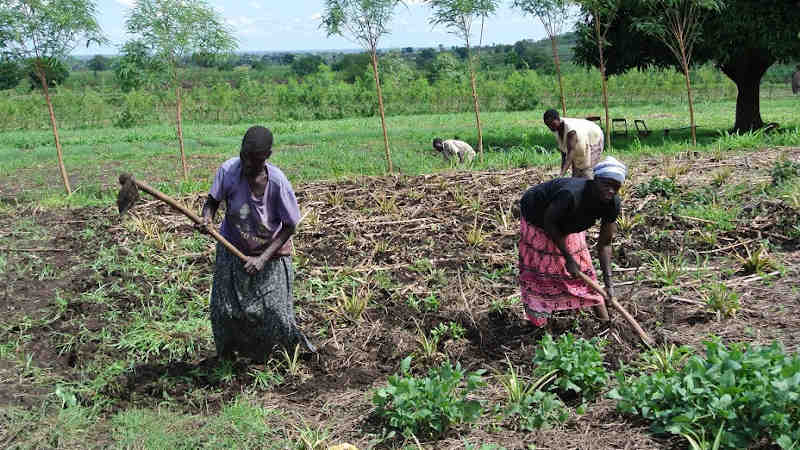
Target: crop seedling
(292,362)
(721,300)
(352,306)
(721,176)
(503,219)
(500,304)
(265,378)
(429,345)
(756,261)
(460,197)
(386,204)
(749,392)
(476,236)
(429,406)
(425,304)
(335,198)
(667,359)
(528,403)
(667,268)
(311,438)
(380,246)
(626,223)
(578,363)
(450,330)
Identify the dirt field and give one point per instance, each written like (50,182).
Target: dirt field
(452,236)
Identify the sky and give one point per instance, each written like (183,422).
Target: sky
(280,25)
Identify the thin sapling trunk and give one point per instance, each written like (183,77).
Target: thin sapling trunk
(61,168)
(374,55)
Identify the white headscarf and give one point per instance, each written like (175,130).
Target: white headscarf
(610,167)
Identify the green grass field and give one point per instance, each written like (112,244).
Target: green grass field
(342,148)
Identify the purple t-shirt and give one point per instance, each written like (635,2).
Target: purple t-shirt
(252,223)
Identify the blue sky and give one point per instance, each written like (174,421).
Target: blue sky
(277,25)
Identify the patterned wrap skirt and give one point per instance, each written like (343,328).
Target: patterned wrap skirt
(253,314)
(545,284)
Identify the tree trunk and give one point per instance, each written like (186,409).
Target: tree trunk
(475,100)
(691,103)
(380,109)
(603,79)
(746,71)
(556,60)
(180,130)
(61,168)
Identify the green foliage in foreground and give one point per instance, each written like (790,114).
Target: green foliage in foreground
(749,392)
(429,406)
(578,362)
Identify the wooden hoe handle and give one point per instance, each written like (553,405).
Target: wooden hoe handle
(191,215)
(593,284)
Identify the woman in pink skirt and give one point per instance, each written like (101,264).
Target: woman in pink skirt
(552,246)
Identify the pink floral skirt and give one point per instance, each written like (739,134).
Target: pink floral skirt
(543,278)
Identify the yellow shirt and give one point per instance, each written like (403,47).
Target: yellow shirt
(588,135)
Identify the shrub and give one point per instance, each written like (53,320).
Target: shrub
(784,170)
(578,362)
(429,406)
(748,392)
(10,74)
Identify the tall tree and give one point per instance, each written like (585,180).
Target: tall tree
(677,23)
(554,15)
(458,16)
(173,30)
(44,31)
(364,21)
(743,39)
(601,14)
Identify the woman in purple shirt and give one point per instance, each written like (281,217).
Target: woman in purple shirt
(252,310)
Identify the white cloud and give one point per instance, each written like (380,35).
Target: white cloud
(316,16)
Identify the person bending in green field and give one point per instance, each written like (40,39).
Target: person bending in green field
(454,148)
(252,310)
(579,140)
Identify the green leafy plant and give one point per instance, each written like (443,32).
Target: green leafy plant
(578,363)
(429,406)
(425,304)
(663,187)
(750,393)
(449,330)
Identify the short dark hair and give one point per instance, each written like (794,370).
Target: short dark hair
(437,143)
(550,115)
(257,139)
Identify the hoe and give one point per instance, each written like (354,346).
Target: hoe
(129,194)
(593,284)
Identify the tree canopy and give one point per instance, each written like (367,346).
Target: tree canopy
(744,39)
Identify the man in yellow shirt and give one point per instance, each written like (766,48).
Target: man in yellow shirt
(580,142)
(454,148)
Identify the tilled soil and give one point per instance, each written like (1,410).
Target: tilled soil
(450,235)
